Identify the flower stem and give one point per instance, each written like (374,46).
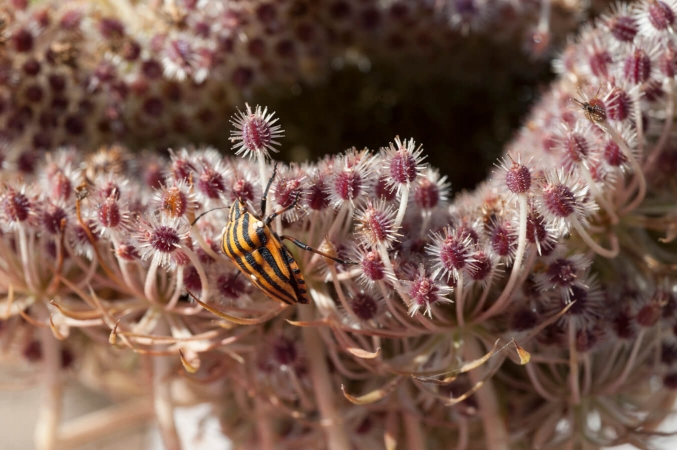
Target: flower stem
(403,207)
(261,159)
(463,434)
(263,426)
(459,301)
(544,17)
(573,366)
(495,431)
(341,295)
(517,264)
(599,196)
(415,438)
(636,169)
(538,386)
(177,289)
(150,288)
(667,127)
(612,253)
(611,388)
(124,270)
(325,392)
(25,260)
(338,220)
(125,416)
(385,258)
(162,369)
(49,417)
(204,281)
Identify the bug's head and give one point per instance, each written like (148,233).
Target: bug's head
(240,201)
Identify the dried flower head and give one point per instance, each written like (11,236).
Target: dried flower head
(256,132)
(176,200)
(452,252)
(161,239)
(423,291)
(375,224)
(403,163)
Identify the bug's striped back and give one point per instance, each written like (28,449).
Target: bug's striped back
(297,281)
(259,254)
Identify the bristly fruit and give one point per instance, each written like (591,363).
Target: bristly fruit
(256,132)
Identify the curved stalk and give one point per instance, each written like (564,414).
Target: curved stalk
(459,301)
(611,388)
(263,426)
(49,417)
(639,178)
(517,264)
(332,421)
(495,430)
(599,196)
(150,288)
(574,381)
(403,207)
(261,159)
(415,437)
(667,127)
(162,369)
(607,253)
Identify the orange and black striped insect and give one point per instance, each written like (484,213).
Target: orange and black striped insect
(257,250)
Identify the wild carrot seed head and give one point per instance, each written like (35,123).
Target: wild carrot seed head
(637,66)
(318,197)
(621,24)
(402,163)
(15,207)
(256,132)
(351,178)
(562,197)
(503,239)
(452,253)
(518,178)
(655,16)
(53,217)
(161,237)
(191,280)
(431,190)
(375,224)
(211,182)
(424,291)
(364,305)
(373,268)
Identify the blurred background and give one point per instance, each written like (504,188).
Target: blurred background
(198,430)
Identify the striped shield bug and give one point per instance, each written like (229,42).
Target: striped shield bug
(258,251)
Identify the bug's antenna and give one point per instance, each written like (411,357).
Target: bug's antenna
(198,217)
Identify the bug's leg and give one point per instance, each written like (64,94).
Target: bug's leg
(264,199)
(272,216)
(303,246)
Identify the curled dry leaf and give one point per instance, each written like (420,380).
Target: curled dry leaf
(375,395)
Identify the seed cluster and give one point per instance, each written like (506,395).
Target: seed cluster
(173,72)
